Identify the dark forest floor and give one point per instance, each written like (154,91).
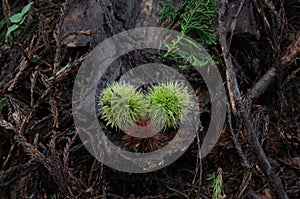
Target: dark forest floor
(41,154)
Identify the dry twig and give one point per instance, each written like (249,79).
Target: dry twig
(290,56)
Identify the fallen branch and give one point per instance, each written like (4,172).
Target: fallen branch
(261,86)
(263,163)
(290,56)
(236,143)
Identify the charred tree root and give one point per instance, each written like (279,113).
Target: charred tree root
(235,95)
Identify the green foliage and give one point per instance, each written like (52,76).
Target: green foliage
(196,21)
(3,103)
(61,71)
(168,10)
(121,105)
(169,104)
(2,24)
(217,182)
(81,85)
(292,35)
(17,20)
(175,48)
(136,149)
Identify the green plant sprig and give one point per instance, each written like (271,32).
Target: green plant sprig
(196,21)
(217,183)
(3,103)
(168,10)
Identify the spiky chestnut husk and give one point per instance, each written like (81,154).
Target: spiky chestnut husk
(121,104)
(169,103)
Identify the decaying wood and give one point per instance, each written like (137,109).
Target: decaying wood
(251,134)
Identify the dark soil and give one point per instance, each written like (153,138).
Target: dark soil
(41,154)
